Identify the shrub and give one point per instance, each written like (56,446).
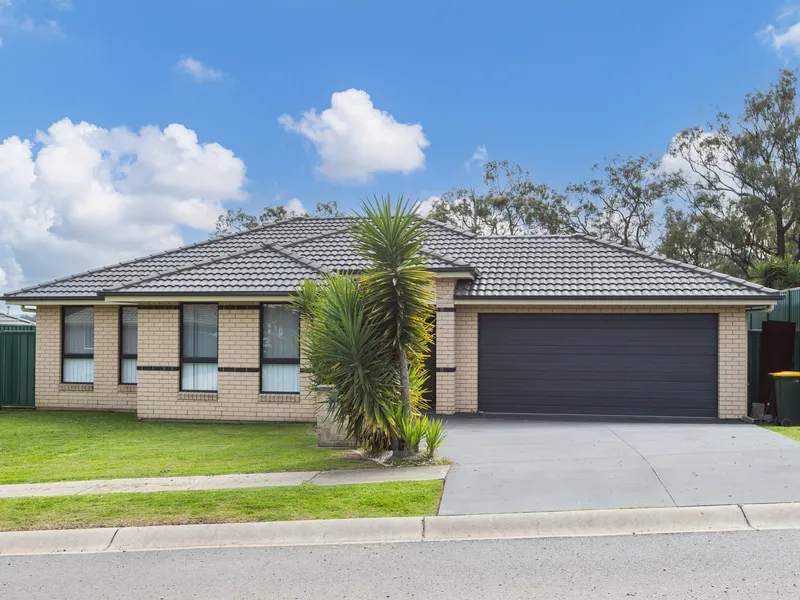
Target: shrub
(434,436)
(412,429)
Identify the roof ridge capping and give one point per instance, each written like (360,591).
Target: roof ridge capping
(449,227)
(154,255)
(686,266)
(316,237)
(212,261)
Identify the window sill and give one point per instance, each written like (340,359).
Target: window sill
(76,387)
(279,398)
(127,388)
(197,397)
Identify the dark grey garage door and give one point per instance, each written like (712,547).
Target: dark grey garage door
(598,364)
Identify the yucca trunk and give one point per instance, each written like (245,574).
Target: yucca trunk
(405,382)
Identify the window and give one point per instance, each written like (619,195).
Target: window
(199,347)
(77,338)
(128,340)
(280,349)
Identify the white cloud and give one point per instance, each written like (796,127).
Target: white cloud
(355,140)
(784,35)
(80,196)
(425,206)
(198,70)
(296,206)
(1,42)
(13,17)
(479,157)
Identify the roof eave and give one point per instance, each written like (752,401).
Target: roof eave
(750,300)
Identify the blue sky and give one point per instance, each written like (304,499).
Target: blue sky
(554,86)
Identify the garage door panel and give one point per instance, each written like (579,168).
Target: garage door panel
(623,364)
(634,410)
(577,337)
(605,361)
(586,321)
(599,386)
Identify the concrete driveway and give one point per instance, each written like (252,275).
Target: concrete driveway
(533,465)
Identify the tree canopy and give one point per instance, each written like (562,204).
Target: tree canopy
(232,221)
(740,184)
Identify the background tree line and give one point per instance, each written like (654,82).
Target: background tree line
(727,198)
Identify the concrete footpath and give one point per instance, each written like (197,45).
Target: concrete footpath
(223,482)
(639,521)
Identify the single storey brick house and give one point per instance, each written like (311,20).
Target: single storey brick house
(534,324)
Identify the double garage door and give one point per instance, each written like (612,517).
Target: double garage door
(598,364)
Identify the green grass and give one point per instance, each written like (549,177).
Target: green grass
(793,433)
(396,499)
(62,446)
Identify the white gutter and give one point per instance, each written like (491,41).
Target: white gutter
(758,310)
(621,302)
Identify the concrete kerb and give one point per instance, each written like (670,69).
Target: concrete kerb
(640,521)
(772,516)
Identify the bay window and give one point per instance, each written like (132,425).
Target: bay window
(199,326)
(77,331)
(280,349)
(129,339)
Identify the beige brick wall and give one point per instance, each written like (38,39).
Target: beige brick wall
(732,351)
(105,393)
(238,397)
(445,348)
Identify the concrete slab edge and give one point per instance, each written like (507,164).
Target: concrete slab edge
(638,521)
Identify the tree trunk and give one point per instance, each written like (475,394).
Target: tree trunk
(405,383)
(781,238)
(403,451)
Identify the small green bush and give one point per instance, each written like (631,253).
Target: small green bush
(434,436)
(412,430)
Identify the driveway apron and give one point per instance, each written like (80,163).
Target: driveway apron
(514,465)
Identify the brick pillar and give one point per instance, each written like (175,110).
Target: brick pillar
(445,348)
(732,363)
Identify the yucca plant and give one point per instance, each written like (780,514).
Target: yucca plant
(411,430)
(776,272)
(434,436)
(367,337)
(345,350)
(398,288)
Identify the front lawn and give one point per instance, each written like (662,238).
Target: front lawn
(62,446)
(793,433)
(396,499)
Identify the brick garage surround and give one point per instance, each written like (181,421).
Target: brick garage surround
(105,393)
(238,398)
(732,342)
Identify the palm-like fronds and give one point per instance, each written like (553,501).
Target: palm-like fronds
(777,272)
(347,352)
(398,288)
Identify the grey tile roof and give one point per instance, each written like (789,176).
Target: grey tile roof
(272,258)
(15,321)
(582,267)
(265,270)
(336,252)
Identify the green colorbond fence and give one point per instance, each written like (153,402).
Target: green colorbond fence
(17,365)
(787,309)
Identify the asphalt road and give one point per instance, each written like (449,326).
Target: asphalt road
(761,565)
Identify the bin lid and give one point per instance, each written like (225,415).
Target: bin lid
(786,374)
